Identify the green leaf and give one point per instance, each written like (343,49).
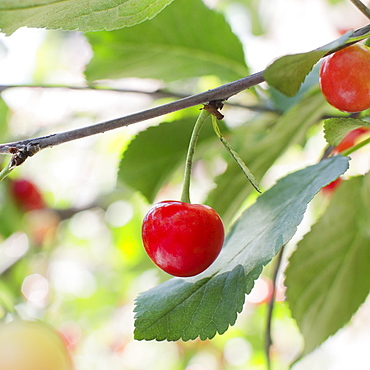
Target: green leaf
(185,310)
(187,39)
(155,153)
(336,129)
(287,73)
(282,102)
(260,144)
(207,304)
(83,15)
(328,275)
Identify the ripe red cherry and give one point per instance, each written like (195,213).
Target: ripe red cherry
(345,78)
(182,239)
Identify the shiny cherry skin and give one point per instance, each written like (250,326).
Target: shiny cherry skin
(182,239)
(345,78)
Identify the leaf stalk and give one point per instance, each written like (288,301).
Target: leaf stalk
(249,175)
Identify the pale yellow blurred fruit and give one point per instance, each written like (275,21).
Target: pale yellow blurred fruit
(28,345)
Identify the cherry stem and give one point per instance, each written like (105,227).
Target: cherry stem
(362,7)
(355,147)
(185,195)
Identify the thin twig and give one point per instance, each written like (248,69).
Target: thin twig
(157,94)
(362,7)
(220,93)
(268,335)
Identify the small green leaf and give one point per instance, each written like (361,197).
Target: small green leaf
(186,40)
(336,129)
(155,153)
(83,15)
(282,102)
(287,73)
(207,304)
(328,276)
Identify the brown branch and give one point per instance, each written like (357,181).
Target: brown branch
(362,7)
(220,93)
(21,150)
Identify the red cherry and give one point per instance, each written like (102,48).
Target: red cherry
(27,194)
(345,78)
(350,139)
(330,188)
(182,239)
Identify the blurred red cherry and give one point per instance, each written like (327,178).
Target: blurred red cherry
(26,194)
(350,139)
(330,188)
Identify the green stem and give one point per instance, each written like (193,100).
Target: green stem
(6,171)
(362,7)
(235,156)
(355,147)
(185,195)
(270,312)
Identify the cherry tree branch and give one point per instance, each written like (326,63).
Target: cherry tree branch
(21,150)
(223,92)
(362,7)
